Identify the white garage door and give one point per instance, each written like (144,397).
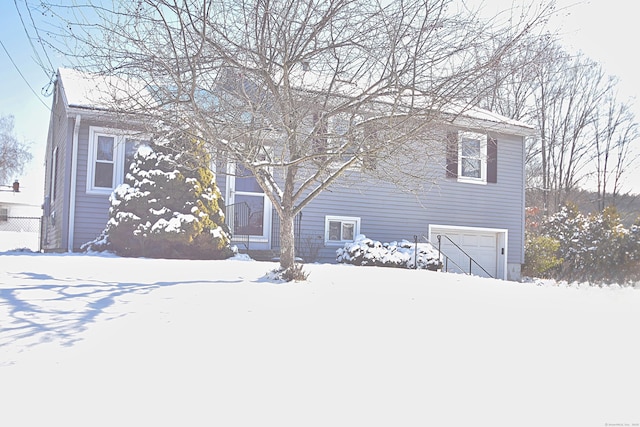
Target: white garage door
(482,246)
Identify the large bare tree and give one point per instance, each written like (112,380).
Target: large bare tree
(296,92)
(568,91)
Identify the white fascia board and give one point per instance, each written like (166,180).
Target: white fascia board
(119,120)
(491,126)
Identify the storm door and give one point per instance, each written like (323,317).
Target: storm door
(251,207)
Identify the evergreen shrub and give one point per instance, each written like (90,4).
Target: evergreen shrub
(168,207)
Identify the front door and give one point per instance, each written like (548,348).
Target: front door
(252,209)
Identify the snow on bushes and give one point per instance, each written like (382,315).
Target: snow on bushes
(168,207)
(595,248)
(364,251)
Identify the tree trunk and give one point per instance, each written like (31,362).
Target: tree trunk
(287,240)
(287,217)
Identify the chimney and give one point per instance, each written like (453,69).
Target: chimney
(16,186)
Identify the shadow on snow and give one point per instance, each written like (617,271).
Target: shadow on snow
(60,309)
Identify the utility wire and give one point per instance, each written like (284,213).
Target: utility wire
(38,59)
(50,72)
(22,75)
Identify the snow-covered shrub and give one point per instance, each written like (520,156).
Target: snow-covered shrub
(168,207)
(364,251)
(594,248)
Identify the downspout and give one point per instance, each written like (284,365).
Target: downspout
(523,222)
(74,178)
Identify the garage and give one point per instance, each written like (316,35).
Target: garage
(487,248)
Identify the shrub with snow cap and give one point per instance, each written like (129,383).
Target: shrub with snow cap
(595,248)
(168,207)
(364,251)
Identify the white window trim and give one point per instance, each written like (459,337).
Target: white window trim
(120,137)
(483,157)
(331,218)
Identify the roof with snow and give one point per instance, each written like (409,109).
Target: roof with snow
(113,93)
(465,115)
(102,92)
(481,118)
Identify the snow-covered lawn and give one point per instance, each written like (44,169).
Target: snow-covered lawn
(11,240)
(90,340)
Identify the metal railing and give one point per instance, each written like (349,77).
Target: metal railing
(447,258)
(237,218)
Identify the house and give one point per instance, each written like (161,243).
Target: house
(19,219)
(476,204)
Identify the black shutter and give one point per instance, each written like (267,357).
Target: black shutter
(452,155)
(492,160)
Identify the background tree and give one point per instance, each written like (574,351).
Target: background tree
(585,133)
(297,92)
(511,89)
(614,130)
(14,155)
(570,89)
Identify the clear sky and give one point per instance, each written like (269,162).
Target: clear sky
(605,30)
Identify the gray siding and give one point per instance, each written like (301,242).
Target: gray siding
(499,205)
(91,210)
(385,213)
(55,225)
(388,214)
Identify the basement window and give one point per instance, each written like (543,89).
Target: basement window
(341,229)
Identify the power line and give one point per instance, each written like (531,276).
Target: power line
(22,75)
(50,72)
(38,59)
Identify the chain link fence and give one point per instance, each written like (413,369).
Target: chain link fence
(20,233)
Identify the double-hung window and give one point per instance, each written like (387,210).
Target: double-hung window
(472,157)
(104,171)
(111,153)
(341,229)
